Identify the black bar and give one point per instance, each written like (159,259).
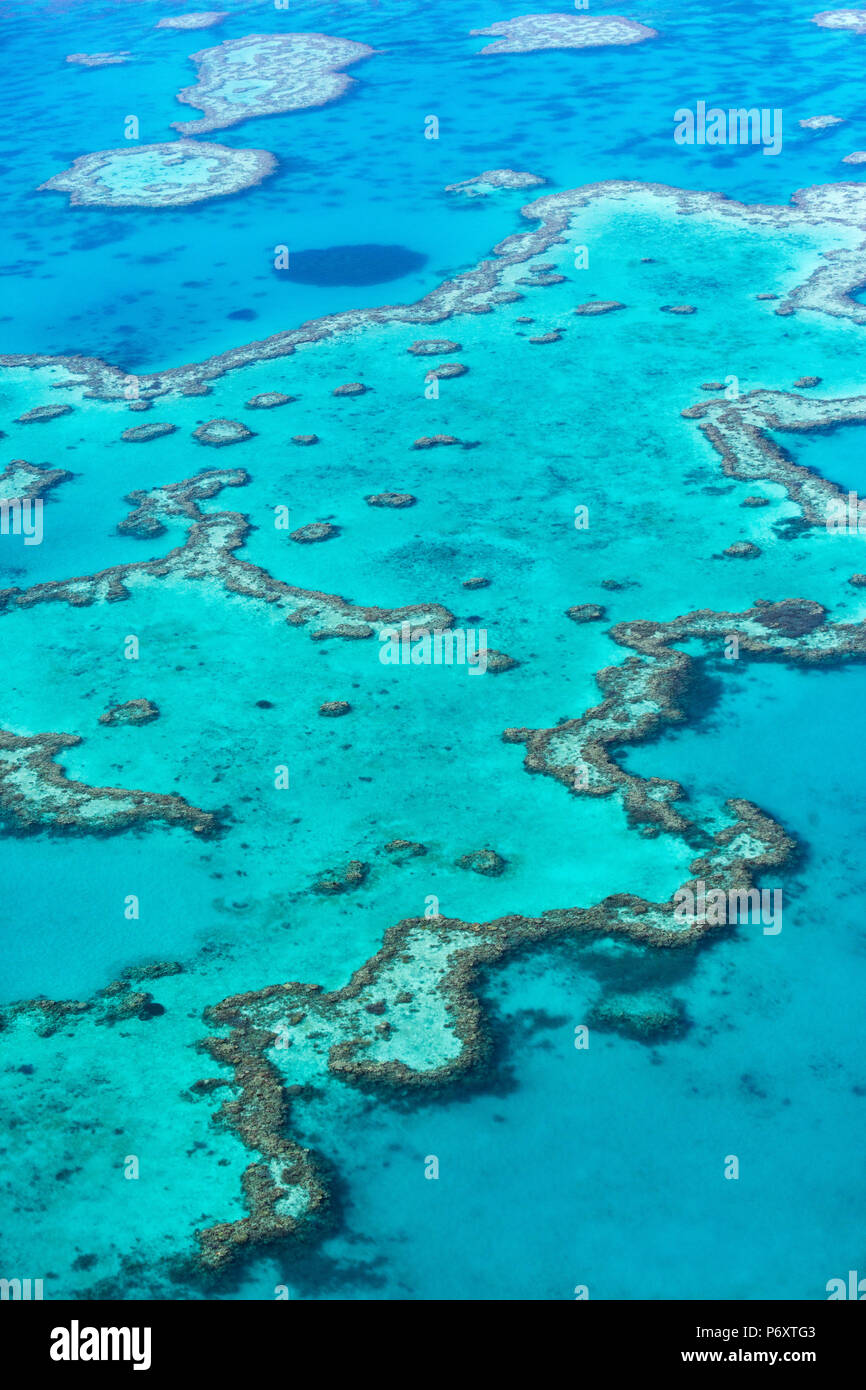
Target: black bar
(228,1339)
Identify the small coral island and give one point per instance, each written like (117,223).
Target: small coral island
(167,175)
(201,19)
(530,32)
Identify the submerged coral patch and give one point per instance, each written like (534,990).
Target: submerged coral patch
(432,347)
(40,414)
(143,434)
(172,174)
(529,33)
(268,400)
(855,20)
(446,371)
(218,433)
(820,122)
(598,306)
(200,19)
(493,181)
(350,388)
(398,500)
(35,794)
(131,712)
(315,531)
(98,60)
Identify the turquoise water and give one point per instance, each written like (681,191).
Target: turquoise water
(558,1167)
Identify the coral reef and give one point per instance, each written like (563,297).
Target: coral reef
(218,433)
(742,550)
(433,347)
(494,180)
(35,795)
(483,861)
(98,60)
(820,122)
(740,432)
(410,1019)
(264,74)
(397,500)
(268,400)
(315,531)
(855,20)
(585,612)
(598,306)
(445,371)
(142,434)
(40,414)
(131,712)
(173,174)
(828,290)
(332,709)
(200,19)
(531,32)
(208,556)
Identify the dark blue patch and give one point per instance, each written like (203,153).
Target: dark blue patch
(352,265)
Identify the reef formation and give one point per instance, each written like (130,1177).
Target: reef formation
(173,174)
(530,33)
(265,74)
(828,289)
(412,1016)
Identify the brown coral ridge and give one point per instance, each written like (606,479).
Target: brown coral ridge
(594,307)
(397,500)
(351,388)
(739,432)
(36,794)
(446,371)
(742,550)
(217,434)
(640,1019)
(26,481)
(359,1032)
(314,532)
(208,555)
(260,1116)
(483,861)
(585,612)
(648,693)
(334,881)
(41,414)
(143,434)
(117,1002)
(828,289)
(269,400)
(131,712)
(433,347)
(176,501)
